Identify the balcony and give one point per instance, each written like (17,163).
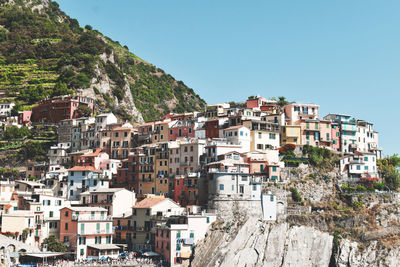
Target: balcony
(142,229)
(123,228)
(86,217)
(185,163)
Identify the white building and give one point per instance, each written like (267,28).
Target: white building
(5,108)
(84,178)
(269,206)
(238,135)
(58,155)
(103,120)
(116,200)
(359,166)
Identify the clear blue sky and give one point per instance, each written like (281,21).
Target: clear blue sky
(343,55)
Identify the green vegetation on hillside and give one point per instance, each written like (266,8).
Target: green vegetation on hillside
(47,54)
(389,170)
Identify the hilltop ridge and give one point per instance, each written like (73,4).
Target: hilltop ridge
(46,53)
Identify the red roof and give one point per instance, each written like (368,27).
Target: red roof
(84,168)
(149,202)
(94,154)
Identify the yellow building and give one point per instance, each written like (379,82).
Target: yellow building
(147,173)
(291,134)
(161,131)
(161,168)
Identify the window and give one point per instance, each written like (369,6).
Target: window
(221,187)
(82,228)
(365,158)
(241,133)
(366,168)
(358,167)
(51,214)
(71,192)
(82,250)
(66,226)
(66,239)
(233,187)
(259,146)
(66,214)
(274,168)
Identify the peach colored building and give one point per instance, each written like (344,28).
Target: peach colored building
(81,227)
(297,111)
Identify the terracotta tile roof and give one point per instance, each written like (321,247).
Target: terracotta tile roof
(84,168)
(93,154)
(149,202)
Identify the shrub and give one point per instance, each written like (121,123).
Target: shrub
(361,188)
(379,186)
(295,195)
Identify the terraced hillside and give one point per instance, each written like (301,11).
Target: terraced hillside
(45,53)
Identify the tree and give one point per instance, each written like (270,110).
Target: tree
(392,179)
(53,244)
(61,89)
(282,101)
(295,195)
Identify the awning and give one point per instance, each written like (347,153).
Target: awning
(44,255)
(188,241)
(104,247)
(151,254)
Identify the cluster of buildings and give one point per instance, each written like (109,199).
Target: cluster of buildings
(110,185)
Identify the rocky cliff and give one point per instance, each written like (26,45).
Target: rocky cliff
(333,228)
(258,243)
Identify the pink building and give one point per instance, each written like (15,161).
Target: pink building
(24,117)
(181,129)
(335,136)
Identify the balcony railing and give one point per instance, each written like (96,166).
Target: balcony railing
(124,228)
(85,217)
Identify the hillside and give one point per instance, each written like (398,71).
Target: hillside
(44,52)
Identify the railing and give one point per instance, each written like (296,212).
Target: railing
(185,163)
(91,218)
(124,228)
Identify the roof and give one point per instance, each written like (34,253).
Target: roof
(93,154)
(84,168)
(31,183)
(234,127)
(106,190)
(105,246)
(105,114)
(126,214)
(87,208)
(122,129)
(149,202)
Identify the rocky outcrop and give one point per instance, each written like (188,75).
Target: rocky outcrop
(105,85)
(260,243)
(356,254)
